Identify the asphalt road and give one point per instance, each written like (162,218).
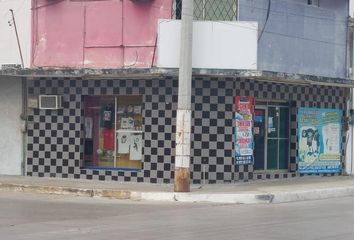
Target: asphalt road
(35,217)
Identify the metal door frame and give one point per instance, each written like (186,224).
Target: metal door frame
(266,109)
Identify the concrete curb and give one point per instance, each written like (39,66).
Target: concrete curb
(117,194)
(226,198)
(220,198)
(318,194)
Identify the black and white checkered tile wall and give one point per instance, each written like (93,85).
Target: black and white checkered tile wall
(55,142)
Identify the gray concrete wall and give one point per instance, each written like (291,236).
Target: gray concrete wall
(299,38)
(11,146)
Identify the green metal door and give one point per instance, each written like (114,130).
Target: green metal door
(271,138)
(277,138)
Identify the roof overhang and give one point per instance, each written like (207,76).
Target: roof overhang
(160,73)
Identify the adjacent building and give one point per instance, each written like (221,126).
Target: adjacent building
(12,87)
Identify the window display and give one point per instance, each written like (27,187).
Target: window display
(113,132)
(129,131)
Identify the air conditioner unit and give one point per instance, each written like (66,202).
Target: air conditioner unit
(50,102)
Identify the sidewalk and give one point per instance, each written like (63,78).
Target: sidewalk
(274,191)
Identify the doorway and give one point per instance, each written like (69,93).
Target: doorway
(271,137)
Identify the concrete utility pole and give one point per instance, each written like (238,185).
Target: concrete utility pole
(184,111)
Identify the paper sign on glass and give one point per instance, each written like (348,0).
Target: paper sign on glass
(136,146)
(123,142)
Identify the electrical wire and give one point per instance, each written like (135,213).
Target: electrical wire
(155,47)
(280,34)
(276,11)
(263,30)
(296,14)
(264,27)
(277,33)
(244,5)
(342,23)
(266,21)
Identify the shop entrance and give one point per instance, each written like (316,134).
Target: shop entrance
(271,137)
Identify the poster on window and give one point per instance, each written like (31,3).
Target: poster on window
(244,125)
(123,142)
(136,146)
(320,140)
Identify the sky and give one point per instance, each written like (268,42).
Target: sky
(351,7)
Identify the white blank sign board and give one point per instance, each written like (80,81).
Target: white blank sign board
(216,45)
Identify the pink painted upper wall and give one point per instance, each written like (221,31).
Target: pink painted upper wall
(95,34)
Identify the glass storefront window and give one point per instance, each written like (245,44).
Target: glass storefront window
(129,132)
(113,132)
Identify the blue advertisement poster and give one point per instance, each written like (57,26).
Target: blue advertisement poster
(320,140)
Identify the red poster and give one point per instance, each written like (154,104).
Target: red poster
(244,105)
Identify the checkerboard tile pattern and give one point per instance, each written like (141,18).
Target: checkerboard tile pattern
(212,140)
(297,96)
(55,138)
(213,105)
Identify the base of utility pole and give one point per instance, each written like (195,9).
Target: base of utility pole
(182,180)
